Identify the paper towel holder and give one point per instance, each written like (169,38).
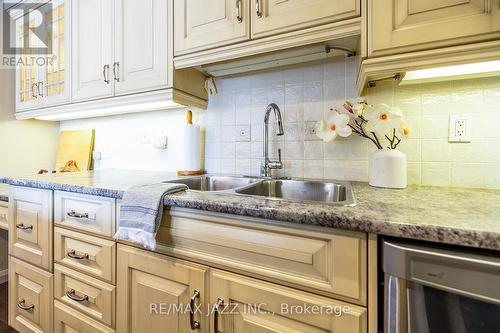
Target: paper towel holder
(189,121)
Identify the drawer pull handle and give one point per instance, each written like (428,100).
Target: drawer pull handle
(72,296)
(72,254)
(116,71)
(3,216)
(105,73)
(239,18)
(258,11)
(78,215)
(24,227)
(195,325)
(22,305)
(220,302)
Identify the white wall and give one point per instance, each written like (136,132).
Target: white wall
(304,95)
(25,146)
(120,139)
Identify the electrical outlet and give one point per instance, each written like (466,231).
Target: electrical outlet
(460,128)
(243,133)
(310,131)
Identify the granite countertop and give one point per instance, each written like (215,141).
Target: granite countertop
(467,217)
(3,192)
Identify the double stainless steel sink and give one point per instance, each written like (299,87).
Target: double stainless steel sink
(328,192)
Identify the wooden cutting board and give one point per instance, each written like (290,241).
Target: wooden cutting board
(75,149)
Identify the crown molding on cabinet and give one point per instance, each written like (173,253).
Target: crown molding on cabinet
(383,67)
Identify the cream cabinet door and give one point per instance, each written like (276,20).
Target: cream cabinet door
(143,45)
(92,49)
(205,24)
(247,305)
(30,298)
(155,291)
(30,225)
(271,17)
(55,81)
(398,26)
(28,75)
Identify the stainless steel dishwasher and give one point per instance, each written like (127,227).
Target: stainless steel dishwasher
(434,290)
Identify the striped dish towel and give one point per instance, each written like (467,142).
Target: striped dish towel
(141,212)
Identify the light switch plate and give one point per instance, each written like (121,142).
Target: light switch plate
(243,133)
(460,128)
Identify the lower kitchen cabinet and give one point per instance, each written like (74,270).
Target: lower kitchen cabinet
(153,292)
(68,320)
(30,297)
(90,296)
(244,304)
(30,225)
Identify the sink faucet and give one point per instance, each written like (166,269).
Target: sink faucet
(268,165)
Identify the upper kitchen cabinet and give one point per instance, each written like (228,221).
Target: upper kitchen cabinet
(142,42)
(48,83)
(246,35)
(399,26)
(204,24)
(92,56)
(278,16)
(121,61)
(414,40)
(129,57)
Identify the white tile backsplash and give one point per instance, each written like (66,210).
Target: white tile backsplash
(304,95)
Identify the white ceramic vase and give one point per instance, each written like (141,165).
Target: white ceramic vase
(387,168)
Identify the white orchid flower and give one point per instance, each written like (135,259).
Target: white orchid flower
(382,118)
(355,109)
(335,124)
(405,130)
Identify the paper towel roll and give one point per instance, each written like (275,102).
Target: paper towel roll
(190,151)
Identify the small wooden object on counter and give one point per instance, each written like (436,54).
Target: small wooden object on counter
(190,157)
(74,152)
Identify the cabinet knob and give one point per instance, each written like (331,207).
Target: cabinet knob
(72,254)
(24,227)
(40,88)
(34,90)
(195,325)
(116,71)
(72,296)
(220,302)
(22,305)
(258,11)
(105,73)
(239,17)
(77,215)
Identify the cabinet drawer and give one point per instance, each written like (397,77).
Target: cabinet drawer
(30,225)
(88,254)
(85,212)
(90,296)
(68,320)
(327,262)
(30,297)
(250,304)
(4,213)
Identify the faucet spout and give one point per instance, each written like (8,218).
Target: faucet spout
(268,165)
